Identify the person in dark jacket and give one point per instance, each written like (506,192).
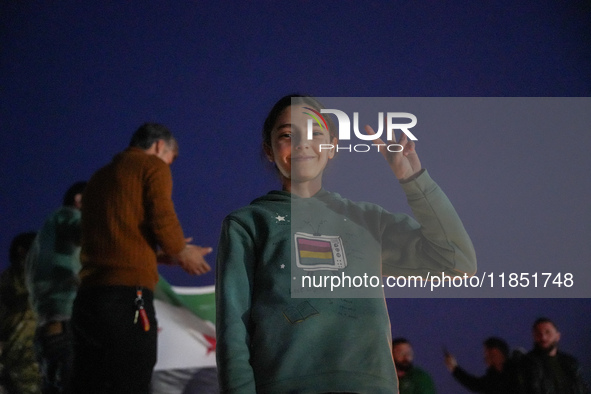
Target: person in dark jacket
(498,378)
(545,369)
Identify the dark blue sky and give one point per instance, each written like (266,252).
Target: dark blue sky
(77,79)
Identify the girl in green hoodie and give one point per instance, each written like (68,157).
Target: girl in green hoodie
(275,335)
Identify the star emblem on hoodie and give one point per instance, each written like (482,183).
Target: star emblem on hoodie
(281,219)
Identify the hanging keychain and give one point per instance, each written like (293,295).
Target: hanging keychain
(140,311)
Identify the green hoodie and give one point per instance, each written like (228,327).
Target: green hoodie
(269,342)
(52,266)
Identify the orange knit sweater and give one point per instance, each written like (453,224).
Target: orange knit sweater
(127,212)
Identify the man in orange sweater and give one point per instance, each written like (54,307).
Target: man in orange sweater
(127,214)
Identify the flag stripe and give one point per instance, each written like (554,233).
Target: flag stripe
(304,241)
(315,255)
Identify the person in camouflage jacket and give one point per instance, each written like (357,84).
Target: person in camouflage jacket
(19,371)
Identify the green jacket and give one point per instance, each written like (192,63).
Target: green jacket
(274,337)
(52,266)
(416,381)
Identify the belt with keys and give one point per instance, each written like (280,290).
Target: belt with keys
(140,311)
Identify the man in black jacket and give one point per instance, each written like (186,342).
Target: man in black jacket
(499,378)
(545,370)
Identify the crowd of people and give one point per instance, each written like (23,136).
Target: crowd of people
(85,281)
(78,295)
(544,369)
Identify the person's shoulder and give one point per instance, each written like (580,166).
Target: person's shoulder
(422,378)
(139,156)
(368,211)
(335,199)
(537,356)
(136,162)
(567,358)
(420,372)
(533,355)
(273,197)
(67,213)
(130,159)
(263,209)
(64,215)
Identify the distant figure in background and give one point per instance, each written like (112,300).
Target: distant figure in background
(498,378)
(127,213)
(51,274)
(411,379)
(19,372)
(546,370)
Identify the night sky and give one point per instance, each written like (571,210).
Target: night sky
(77,79)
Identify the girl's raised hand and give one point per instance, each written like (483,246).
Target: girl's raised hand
(405,163)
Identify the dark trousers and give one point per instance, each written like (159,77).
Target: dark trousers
(111,353)
(55,354)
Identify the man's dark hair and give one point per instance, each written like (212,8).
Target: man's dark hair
(541,320)
(398,341)
(70,196)
(148,133)
(497,343)
(21,241)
